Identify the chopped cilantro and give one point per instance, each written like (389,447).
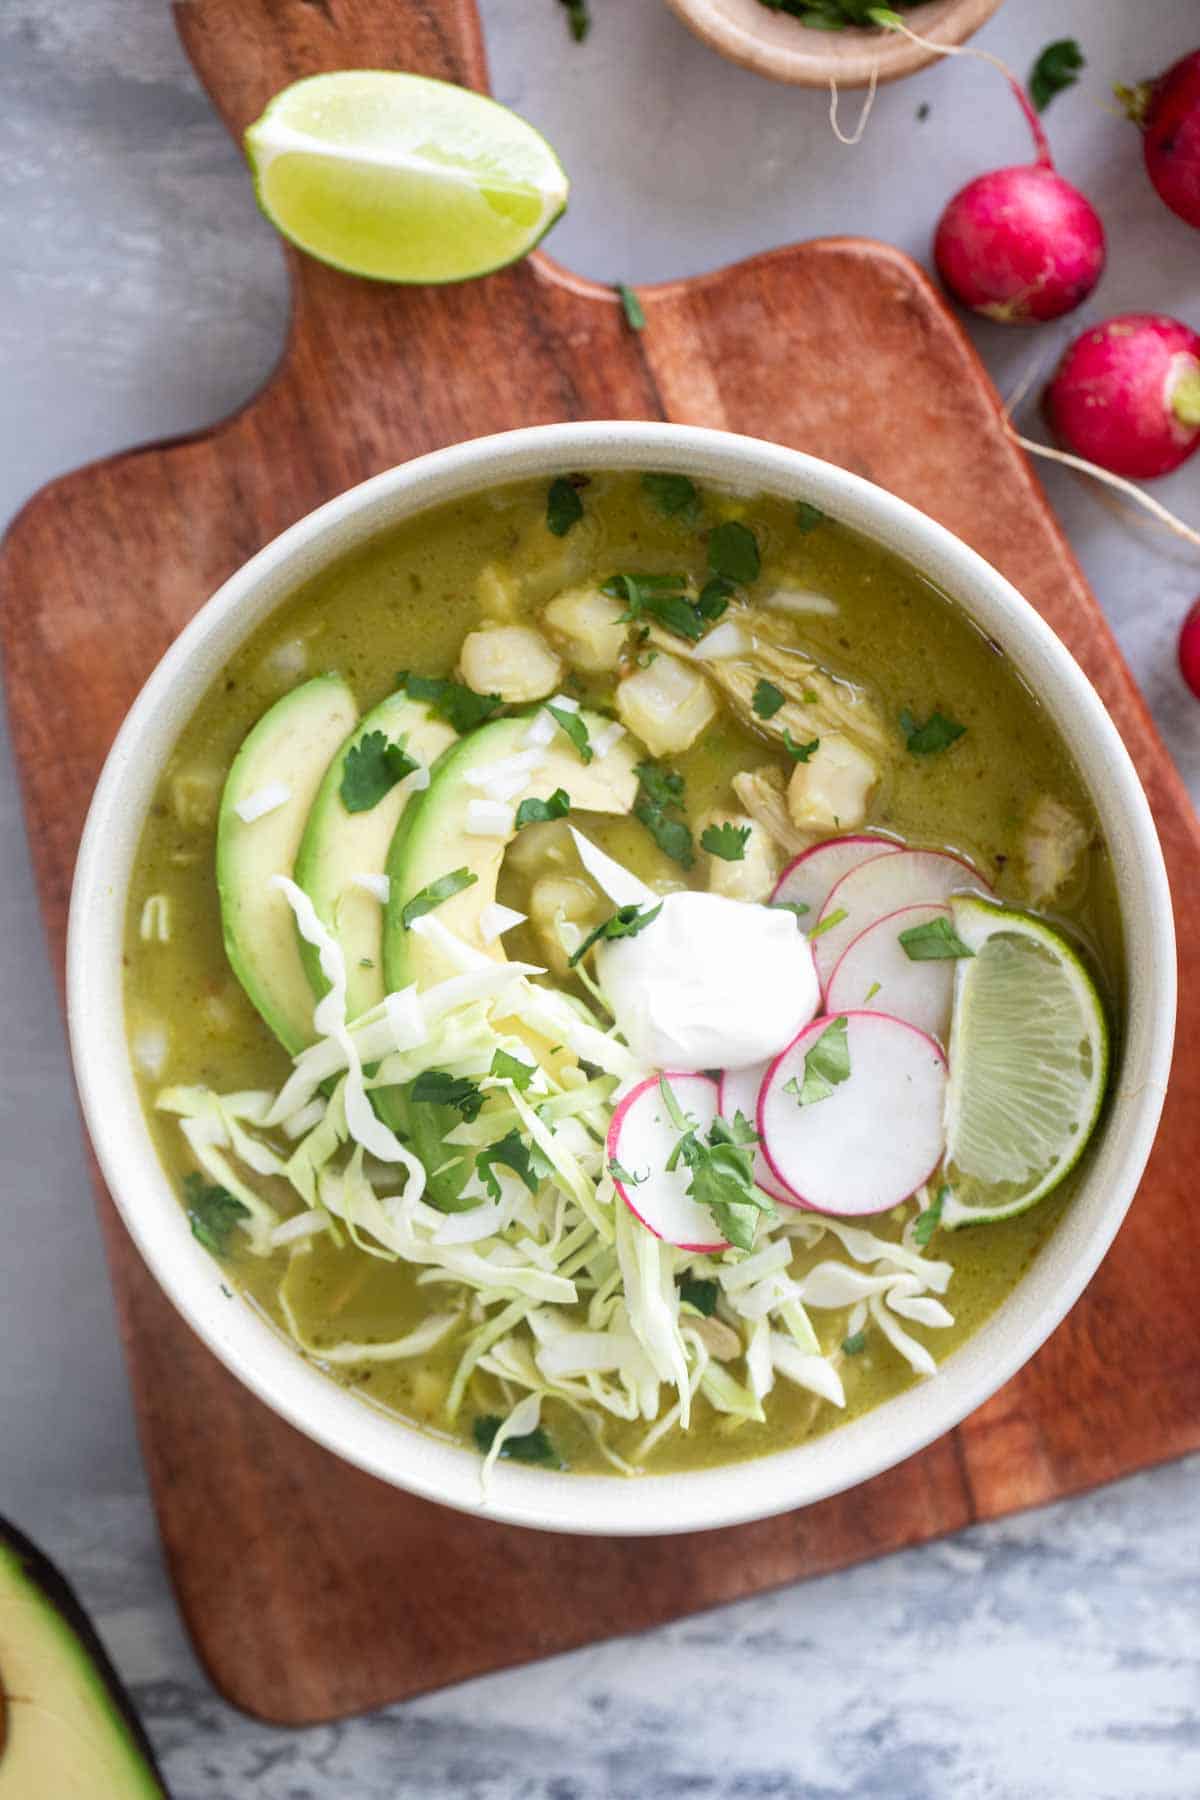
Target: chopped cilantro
(1056,68)
(659,801)
(800,752)
(460,706)
(436,1087)
(827,923)
(564,508)
(928,1221)
(631,306)
(799,907)
(871,992)
(700,1295)
(855,1344)
(722,1169)
(212,1212)
(511,1068)
(733,552)
(620,1173)
(525,1161)
(767,699)
(663,597)
(726,841)
(371,769)
(935,942)
(675,495)
(428,897)
(810,697)
(576,730)
(530,1447)
(626,922)
(713,598)
(935,735)
(808,517)
(540,812)
(826,1066)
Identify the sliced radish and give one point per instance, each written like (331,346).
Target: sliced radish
(738,1091)
(881,886)
(641,1139)
(876,1136)
(812,876)
(876,974)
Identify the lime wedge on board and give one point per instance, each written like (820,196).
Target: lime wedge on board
(1028,1064)
(401,178)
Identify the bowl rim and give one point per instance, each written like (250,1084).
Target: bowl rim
(270,1366)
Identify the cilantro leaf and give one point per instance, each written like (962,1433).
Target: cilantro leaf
(935,735)
(713,598)
(722,1169)
(564,508)
(460,706)
(530,1447)
(808,517)
(733,552)
(576,730)
(800,752)
(436,1087)
(676,496)
(625,1176)
(702,1295)
(626,922)
(928,1221)
(726,841)
(371,769)
(1056,68)
(658,804)
(935,942)
(631,306)
(664,597)
(540,812)
(212,1212)
(511,1152)
(855,1344)
(511,1068)
(767,699)
(427,898)
(826,1066)
(797,907)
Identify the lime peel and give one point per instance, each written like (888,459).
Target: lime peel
(401,178)
(1029,1064)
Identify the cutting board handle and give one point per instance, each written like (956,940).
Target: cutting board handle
(244,51)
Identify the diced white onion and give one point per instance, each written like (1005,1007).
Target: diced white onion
(379,885)
(791,600)
(262,801)
(603,741)
(155,923)
(508,777)
(495,920)
(541,730)
(564,703)
(489,818)
(150,1049)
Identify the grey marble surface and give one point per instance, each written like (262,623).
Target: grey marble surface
(1054,1657)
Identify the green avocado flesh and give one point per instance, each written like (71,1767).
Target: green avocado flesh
(67,1727)
(233,990)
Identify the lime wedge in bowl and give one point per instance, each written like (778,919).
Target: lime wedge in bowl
(1028,1064)
(402,178)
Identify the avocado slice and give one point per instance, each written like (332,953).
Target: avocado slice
(66,1724)
(432,839)
(291,745)
(338,845)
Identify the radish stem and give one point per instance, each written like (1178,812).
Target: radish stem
(883,15)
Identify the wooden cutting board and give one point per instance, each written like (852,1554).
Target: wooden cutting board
(313,1591)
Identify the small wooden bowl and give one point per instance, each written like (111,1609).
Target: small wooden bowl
(776,44)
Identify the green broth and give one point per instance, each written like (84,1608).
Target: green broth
(406,601)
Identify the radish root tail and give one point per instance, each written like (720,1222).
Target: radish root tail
(1118,482)
(856,135)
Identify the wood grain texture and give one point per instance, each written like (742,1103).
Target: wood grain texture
(326,1592)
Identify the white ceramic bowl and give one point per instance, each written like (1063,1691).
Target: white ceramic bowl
(269,1365)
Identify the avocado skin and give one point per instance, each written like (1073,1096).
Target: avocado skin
(23,1564)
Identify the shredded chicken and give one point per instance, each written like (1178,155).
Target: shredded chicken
(720,1340)
(1054,841)
(763,794)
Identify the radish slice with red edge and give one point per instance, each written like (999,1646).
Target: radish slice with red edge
(882,886)
(877,974)
(810,878)
(641,1139)
(739,1090)
(876,1134)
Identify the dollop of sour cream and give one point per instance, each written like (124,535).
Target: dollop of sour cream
(711,983)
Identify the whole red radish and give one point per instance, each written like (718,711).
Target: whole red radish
(1021,244)
(1189,650)
(1168,111)
(1127,395)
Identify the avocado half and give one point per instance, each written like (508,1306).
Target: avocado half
(67,1726)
